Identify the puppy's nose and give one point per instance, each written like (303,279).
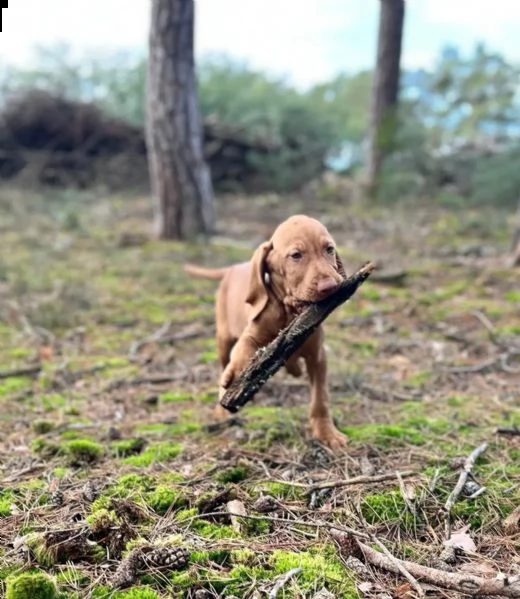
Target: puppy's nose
(327,286)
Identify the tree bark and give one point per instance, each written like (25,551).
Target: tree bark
(180,179)
(385,91)
(515,246)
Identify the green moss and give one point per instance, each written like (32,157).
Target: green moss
(72,577)
(52,401)
(163,498)
(386,508)
(370,292)
(513,297)
(244,556)
(42,427)
(14,385)
(6,501)
(233,475)
(205,558)
(175,397)
(280,490)
(420,379)
(210,397)
(45,448)
(33,585)
(136,593)
(321,567)
(81,452)
(209,357)
(132,483)
(102,519)
(214,531)
(161,452)
(127,447)
(385,435)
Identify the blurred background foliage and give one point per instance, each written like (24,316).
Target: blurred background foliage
(458,139)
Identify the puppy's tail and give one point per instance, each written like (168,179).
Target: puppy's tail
(215,274)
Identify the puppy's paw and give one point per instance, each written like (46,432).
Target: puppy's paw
(323,430)
(220,413)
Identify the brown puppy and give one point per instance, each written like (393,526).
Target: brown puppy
(297,266)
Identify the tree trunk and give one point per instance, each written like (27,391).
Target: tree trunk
(515,246)
(385,92)
(180,178)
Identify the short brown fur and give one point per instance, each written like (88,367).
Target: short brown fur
(256,299)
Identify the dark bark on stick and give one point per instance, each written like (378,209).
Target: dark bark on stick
(268,360)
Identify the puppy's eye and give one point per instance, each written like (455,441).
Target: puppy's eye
(331,250)
(296,256)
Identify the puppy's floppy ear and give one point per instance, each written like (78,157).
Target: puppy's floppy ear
(258,296)
(339,266)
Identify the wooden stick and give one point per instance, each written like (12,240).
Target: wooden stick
(268,360)
(463,477)
(282,581)
(503,586)
(347,482)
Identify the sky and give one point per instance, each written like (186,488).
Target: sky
(306,41)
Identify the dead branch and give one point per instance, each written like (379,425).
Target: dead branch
(282,581)
(502,586)
(348,482)
(514,431)
(268,360)
(399,565)
(29,371)
(463,477)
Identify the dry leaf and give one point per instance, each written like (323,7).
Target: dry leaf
(365,587)
(236,508)
(405,591)
(460,539)
(511,524)
(482,569)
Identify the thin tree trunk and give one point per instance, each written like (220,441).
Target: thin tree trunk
(385,92)
(515,246)
(180,178)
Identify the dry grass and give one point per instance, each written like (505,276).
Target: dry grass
(106,446)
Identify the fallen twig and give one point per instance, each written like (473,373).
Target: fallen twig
(399,565)
(282,581)
(145,380)
(164,336)
(348,482)
(28,371)
(463,477)
(407,496)
(503,586)
(514,431)
(268,360)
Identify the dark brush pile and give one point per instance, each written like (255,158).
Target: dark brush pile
(73,139)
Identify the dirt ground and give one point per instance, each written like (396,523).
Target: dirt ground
(109,460)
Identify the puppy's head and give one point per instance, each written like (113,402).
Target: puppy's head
(299,263)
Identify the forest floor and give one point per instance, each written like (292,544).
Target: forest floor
(108,379)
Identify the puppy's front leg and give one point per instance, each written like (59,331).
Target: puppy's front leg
(241,354)
(320,419)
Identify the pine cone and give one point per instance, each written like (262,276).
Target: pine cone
(162,558)
(144,559)
(56,499)
(265,504)
(90,491)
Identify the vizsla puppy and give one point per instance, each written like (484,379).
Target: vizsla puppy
(256,299)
